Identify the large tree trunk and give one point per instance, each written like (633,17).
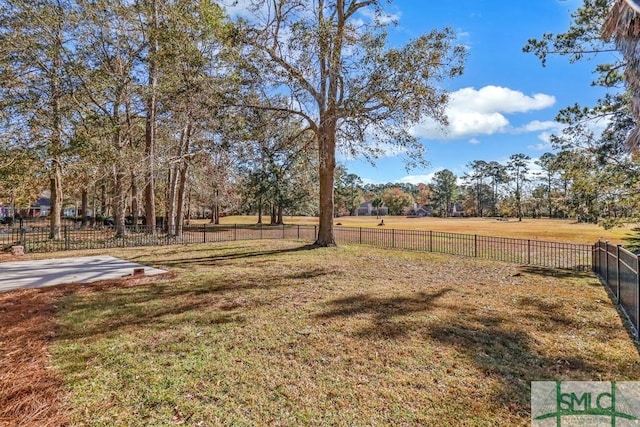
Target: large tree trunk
(120,199)
(55,216)
(280,219)
(182,182)
(150,128)
(134,200)
(327,152)
(188,216)
(216,208)
(103,199)
(178,182)
(273,214)
(84,208)
(260,211)
(171,200)
(55,219)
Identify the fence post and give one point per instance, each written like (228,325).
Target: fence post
(393,237)
(618,273)
(606,262)
(66,237)
(260,231)
(298,231)
(204,233)
(475,245)
(235,232)
(430,241)
(528,251)
(23,237)
(360,235)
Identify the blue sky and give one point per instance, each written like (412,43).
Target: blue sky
(505,102)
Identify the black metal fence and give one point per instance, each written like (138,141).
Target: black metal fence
(520,251)
(619,270)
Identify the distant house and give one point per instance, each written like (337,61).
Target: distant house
(425,210)
(40,208)
(456,210)
(367,209)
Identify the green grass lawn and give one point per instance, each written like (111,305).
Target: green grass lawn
(275,333)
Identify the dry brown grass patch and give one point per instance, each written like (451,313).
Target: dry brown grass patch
(31,391)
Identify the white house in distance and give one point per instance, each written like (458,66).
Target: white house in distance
(367,209)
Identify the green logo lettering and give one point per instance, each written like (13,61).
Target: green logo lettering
(578,404)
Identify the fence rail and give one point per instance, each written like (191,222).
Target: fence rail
(619,270)
(520,251)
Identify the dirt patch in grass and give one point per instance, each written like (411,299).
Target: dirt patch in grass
(31,390)
(272,333)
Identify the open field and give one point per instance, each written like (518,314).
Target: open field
(274,333)
(557,230)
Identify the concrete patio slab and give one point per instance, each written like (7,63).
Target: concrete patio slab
(49,272)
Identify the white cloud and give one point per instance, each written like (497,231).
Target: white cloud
(417,179)
(366,181)
(545,145)
(482,111)
(474,141)
(490,99)
(537,125)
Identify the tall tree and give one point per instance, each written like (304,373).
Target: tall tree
(622,24)
(518,167)
(343,80)
(423,195)
(497,173)
(548,164)
(37,47)
(377,202)
(584,40)
(397,200)
(475,178)
(348,191)
(153,34)
(445,189)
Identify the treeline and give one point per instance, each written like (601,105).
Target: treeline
(170,109)
(583,184)
(158,108)
(130,110)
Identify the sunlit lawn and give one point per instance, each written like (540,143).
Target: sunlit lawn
(542,229)
(276,333)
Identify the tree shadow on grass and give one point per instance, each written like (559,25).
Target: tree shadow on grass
(111,305)
(500,346)
(159,305)
(217,259)
(582,272)
(385,311)
(505,354)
